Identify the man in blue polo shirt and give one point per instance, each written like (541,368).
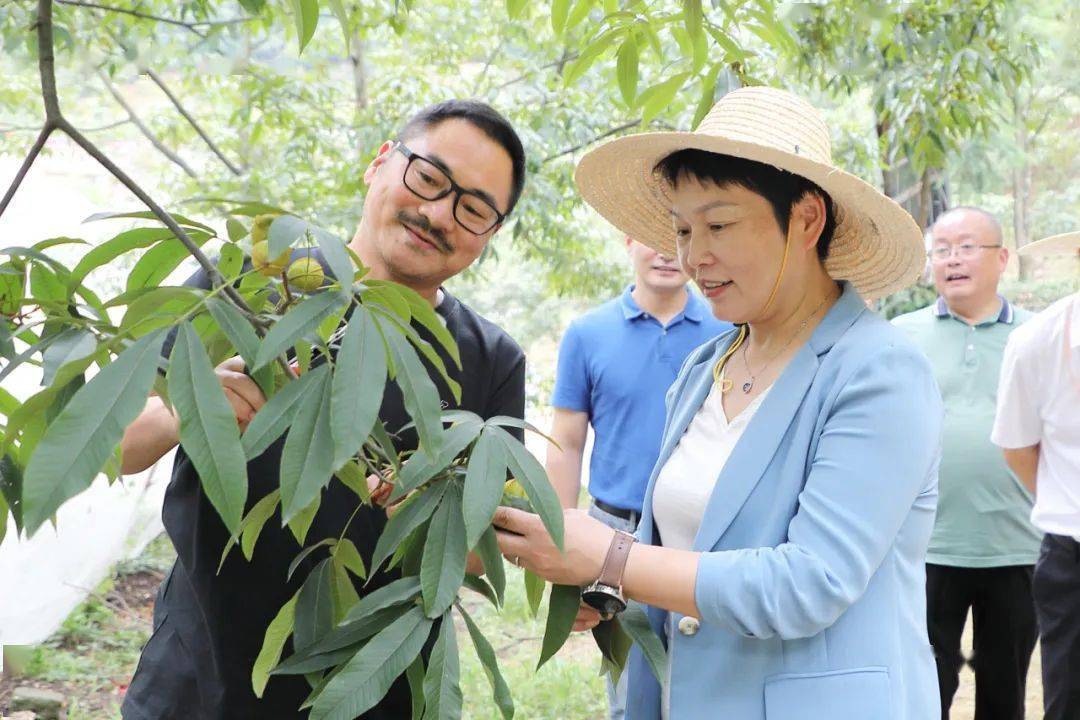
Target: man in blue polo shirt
(615,365)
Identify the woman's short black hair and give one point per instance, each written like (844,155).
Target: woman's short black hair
(781,188)
(488,120)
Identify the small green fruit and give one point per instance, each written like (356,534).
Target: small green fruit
(260,227)
(265,266)
(306,275)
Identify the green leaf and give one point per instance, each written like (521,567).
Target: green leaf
(346,553)
(514,8)
(658,97)
(481,586)
(299,559)
(418,391)
(534,591)
(285,229)
(636,624)
(113,248)
(692,17)
(236,230)
(342,15)
(84,435)
(181,220)
(231,261)
(273,418)
(300,524)
(359,381)
(11,490)
(484,482)
(563,605)
(158,262)
(306,15)
(626,69)
(236,327)
(579,12)
(442,689)
(490,663)
(365,679)
(277,633)
(398,592)
(415,676)
(45,285)
(302,319)
(708,95)
(254,521)
(333,249)
(442,569)
(420,468)
(559,11)
(614,645)
(208,429)
(488,550)
(159,307)
(341,639)
(70,345)
(530,473)
(422,312)
(420,344)
(308,455)
(314,607)
(411,514)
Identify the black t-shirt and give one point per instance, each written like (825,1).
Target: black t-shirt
(209,626)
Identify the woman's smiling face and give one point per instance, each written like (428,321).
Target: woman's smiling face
(729,242)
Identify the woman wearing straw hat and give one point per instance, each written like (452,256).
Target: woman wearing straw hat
(781,547)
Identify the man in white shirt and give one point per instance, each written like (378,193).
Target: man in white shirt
(1038,426)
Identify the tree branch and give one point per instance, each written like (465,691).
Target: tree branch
(216,280)
(37,128)
(54,120)
(143,128)
(590,141)
(135,13)
(31,156)
(187,116)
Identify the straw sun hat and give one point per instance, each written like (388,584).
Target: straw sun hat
(1064,244)
(877,245)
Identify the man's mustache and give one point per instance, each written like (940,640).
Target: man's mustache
(422,224)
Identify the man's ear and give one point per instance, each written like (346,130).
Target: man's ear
(380,158)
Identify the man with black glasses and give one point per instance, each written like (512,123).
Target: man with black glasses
(983,546)
(436,196)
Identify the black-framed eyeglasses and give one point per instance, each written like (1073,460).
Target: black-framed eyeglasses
(941,253)
(427,180)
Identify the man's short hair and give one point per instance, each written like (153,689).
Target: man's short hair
(484,117)
(990,217)
(781,188)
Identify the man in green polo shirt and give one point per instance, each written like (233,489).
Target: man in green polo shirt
(984,546)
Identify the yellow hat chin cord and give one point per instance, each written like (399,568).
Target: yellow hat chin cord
(744,328)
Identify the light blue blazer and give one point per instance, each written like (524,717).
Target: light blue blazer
(811,588)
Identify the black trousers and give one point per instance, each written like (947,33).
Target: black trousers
(1004,634)
(1057,602)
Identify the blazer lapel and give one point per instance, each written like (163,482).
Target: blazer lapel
(756,448)
(762,437)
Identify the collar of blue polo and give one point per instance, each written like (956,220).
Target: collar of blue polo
(692,311)
(941,310)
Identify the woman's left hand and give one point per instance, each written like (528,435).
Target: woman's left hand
(524,541)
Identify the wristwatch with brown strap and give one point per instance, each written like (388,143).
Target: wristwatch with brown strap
(605,594)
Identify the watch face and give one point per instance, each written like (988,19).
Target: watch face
(606,602)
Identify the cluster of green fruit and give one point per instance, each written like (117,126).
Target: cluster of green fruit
(304,274)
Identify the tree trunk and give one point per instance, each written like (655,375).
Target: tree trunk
(1021,178)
